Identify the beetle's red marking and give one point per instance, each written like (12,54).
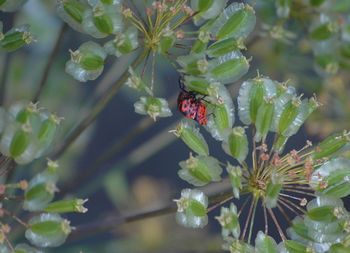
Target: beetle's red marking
(191,106)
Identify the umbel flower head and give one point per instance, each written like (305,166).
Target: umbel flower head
(303,186)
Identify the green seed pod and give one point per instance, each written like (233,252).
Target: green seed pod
(236,21)
(281,141)
(41,188)
(152,106)
(25,248)
(198,84)
(72,11)
(283,100)
(39,195)
(331,145)
(264,119)
(123,43)
(223,47)
(223,111)
(251,97)
(200,170)
(206,10)
(236,143)
(326,63)
(20,141)
(47,230)
(191,136)
(87,62)
(237,246)
(273,190)
(167,40)
(229,222)
(16,38)
(294,247)
(228,68)
(192,209)
(193,64)
(103,20)
(339,248)
(67,206)
(265,243)
(332,179)
(323,31)
(317,2)
(298,231)
(323,208)
(235,176)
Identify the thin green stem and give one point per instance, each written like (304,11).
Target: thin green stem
(49,63)
(256,200)
(4,76)
(247,220)
(95,111)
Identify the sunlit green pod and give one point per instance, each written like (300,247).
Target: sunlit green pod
(235,176)
(331,145)
(223,114)
(67,206)
(283,8)
(332,179)
(207,9)
(20,142)
(93,3)
(72,11)
(321,237)
(11,5)
(103,20)
(152,106)
(265,243)
(294,247)
(235,143)
(25,248)
(47,230)
(197,84)
(229,222)
(251,96)
(191,136)
(264,119)
(282,101)
(87,62)
(273,190)
(16,38)
(228,68)
(322,208)
(236,21)
(306,107)
(223,47)
(192,209)
(193,64)
(200,170)
(123,43)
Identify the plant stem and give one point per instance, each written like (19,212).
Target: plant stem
(49,63)
(95,111)
(113,222)
(4,75)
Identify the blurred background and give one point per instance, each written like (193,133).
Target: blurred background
(125,163)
